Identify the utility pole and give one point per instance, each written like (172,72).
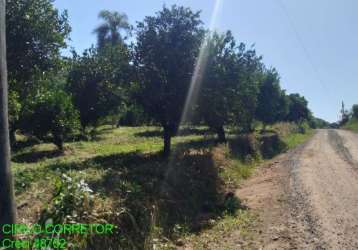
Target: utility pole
(7,202)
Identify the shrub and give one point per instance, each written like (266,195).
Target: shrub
(72,201)
(51,112)
(355,111)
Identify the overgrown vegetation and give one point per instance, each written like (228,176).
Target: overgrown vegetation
(352,124)
(349,119)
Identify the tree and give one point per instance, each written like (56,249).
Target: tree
(272,101)
(35,32)
(7,202)
(109,32)
(315,122)
(52,112)
(228,92)
(165,55)
(250,71)
(355,111)
(98,82)
(215,101)
(298,109)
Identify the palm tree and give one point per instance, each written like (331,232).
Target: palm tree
(110,30)
(7,204)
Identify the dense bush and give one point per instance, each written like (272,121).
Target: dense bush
(51,112)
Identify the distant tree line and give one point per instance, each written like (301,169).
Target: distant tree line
(142,82)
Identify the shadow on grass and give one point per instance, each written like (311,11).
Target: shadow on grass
(22,144)
(187,193)
(183,132)
(131,159)
(31,157)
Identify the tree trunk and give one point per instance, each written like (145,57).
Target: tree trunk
(12,135)
(58,141)
(221,134)
(7,203)
(167,142)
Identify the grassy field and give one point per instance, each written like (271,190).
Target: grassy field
(121,178)
(352,125)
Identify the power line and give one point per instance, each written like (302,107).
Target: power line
(301,43)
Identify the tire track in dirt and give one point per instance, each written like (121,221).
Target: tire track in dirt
(338,143)
(303,226)
(307,198)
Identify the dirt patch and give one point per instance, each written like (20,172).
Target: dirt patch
(266,195)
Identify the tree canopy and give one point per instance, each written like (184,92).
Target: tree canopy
(165,55)
(35,34)
(36,31)
(298,109)
(272,101)
(97,81)
(109,32)
(146,81)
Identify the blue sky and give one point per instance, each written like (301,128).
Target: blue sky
(313,44)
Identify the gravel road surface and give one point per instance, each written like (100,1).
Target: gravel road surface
(308,198)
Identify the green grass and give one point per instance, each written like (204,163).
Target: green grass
(226,225)
(352,125)
(125,170)
(292,140)
(152,200)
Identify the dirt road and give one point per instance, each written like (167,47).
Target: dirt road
(308,198)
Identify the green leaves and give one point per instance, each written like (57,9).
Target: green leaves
(109,32)
(272,100)
(51,112)
(73,201)
(165,55)
(298,109)
(355,111)
(35,33)
(229,88)
(98,80)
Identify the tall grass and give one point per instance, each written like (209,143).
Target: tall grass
(352,125)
